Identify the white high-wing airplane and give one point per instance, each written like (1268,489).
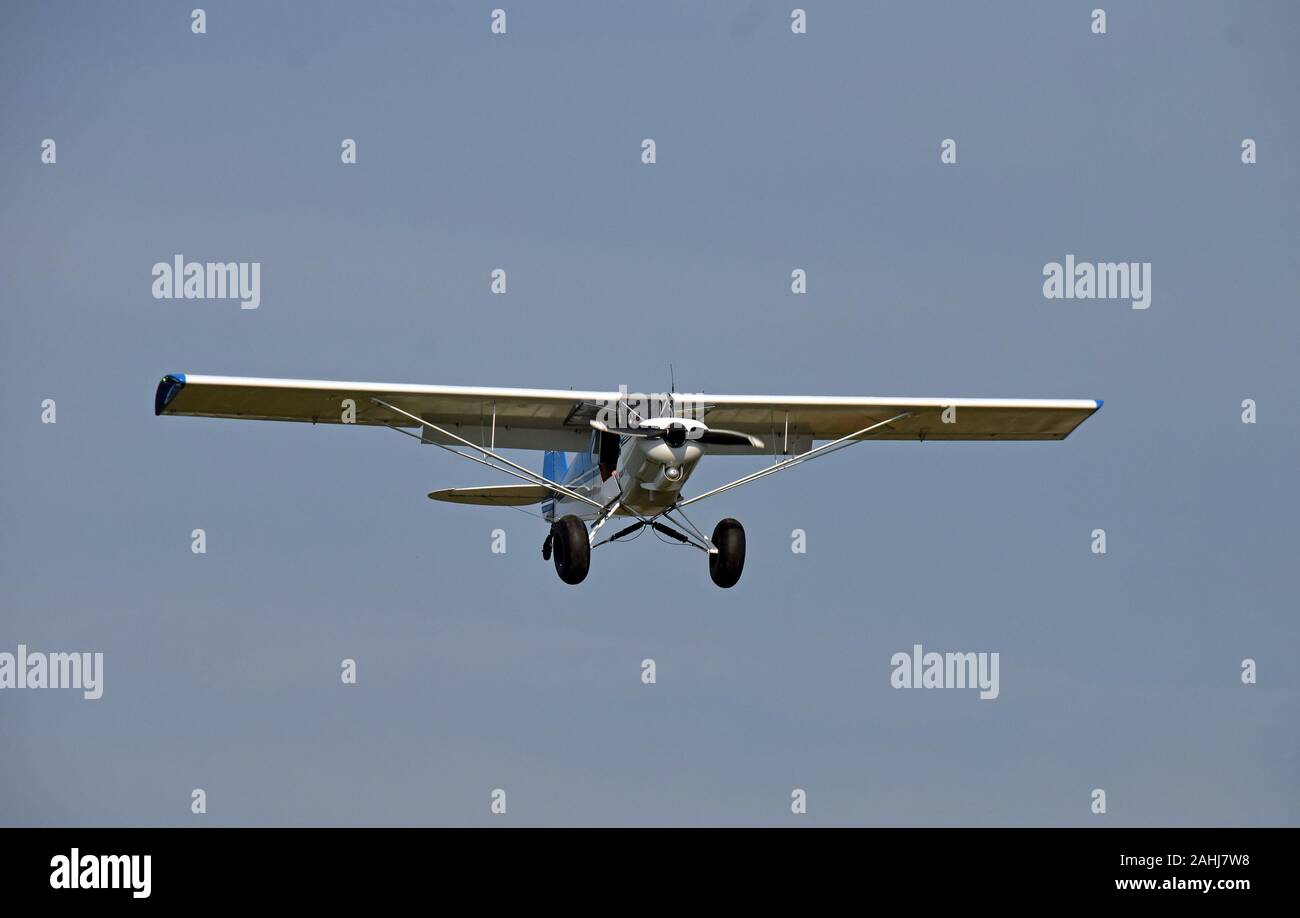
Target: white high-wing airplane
(610,454)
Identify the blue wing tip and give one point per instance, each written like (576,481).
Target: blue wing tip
(168,387)
(1099,402)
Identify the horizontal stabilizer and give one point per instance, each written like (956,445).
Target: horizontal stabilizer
(519,495)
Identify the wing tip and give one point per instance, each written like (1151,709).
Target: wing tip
(168,387)
(1099,403)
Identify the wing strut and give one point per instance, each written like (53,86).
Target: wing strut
(802,457)
(518,470)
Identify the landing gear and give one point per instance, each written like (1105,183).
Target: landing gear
(569,545)
(727,563)
(571,549)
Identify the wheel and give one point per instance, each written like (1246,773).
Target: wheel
(570,549)
(725,567)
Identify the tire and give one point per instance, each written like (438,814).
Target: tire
(726,566)
(571,550)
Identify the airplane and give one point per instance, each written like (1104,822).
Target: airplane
(610,455)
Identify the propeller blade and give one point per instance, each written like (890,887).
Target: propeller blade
(729,438)
(626,431)
(698,434)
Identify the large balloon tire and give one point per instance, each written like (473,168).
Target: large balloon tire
(728,563)
(571,549)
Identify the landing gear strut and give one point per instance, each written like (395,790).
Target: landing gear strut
(571,548)
(727,563)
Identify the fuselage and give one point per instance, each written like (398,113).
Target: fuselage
(647,479)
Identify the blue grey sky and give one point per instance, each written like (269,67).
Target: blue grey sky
(775,151)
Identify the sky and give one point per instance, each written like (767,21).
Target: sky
(775,151)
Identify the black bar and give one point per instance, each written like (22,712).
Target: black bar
(925,866)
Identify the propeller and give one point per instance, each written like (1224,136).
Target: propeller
(729,438)
(649,434)
(675,434)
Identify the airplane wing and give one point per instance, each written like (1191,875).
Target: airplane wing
(804,419)
(558,419)
(555,419)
